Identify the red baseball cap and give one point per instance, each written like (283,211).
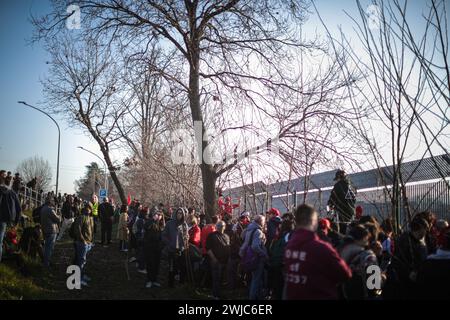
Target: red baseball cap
(275,211)
(324,224)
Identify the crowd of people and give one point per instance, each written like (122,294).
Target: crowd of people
(294,255)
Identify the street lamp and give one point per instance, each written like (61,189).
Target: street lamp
(104,164)
(59,139)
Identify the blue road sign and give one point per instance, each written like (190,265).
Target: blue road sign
(103,193)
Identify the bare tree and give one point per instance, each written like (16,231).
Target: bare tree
(403,99)
(232,59)
(82,87)
(36,167)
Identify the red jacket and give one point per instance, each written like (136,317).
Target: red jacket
(209,228)
(194,235)
(313,268)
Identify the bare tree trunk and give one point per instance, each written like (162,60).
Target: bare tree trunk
(114,177)
(209,175)
(111,169)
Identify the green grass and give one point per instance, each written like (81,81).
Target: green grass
(14,286)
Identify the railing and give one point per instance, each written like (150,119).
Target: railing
(31,198)
(423,195)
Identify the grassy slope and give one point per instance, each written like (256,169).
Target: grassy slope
(14,285)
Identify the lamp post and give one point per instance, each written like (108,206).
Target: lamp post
(59,140)
(104,164)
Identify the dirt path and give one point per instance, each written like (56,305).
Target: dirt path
(106,268)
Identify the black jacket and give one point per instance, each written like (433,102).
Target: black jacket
(68,210)
(152,235)
(343,200)
(409,256)
(433,279)
(105,211)
(9,206)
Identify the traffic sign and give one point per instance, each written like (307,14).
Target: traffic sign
(103,193)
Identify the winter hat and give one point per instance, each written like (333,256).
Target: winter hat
(339,174)
(275,211)
(324,224)
(245,214)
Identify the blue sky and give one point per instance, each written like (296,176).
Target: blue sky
(25,132)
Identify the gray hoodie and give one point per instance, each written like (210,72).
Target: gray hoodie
(258,241)
(175,233)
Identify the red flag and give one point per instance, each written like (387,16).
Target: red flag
(129,199)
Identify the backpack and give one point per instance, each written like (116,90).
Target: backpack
(355,288)
(36,214)
(250,259)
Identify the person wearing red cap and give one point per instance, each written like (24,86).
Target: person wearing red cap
(323,230)
(273,225)
(313,268)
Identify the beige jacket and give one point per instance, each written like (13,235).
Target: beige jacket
(122,229)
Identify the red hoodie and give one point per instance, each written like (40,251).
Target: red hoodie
(209,228)
(194,235)
(313,268)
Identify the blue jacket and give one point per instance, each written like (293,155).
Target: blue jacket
(257,243)
(175,233)
(9,206)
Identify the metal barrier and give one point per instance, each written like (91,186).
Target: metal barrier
(423,195)
(30,197)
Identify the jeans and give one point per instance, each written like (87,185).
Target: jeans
(153,260)
(2,235)
(49,244)
(257,283)
(65,225)
(80,254)
(216,273)
(106,226)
